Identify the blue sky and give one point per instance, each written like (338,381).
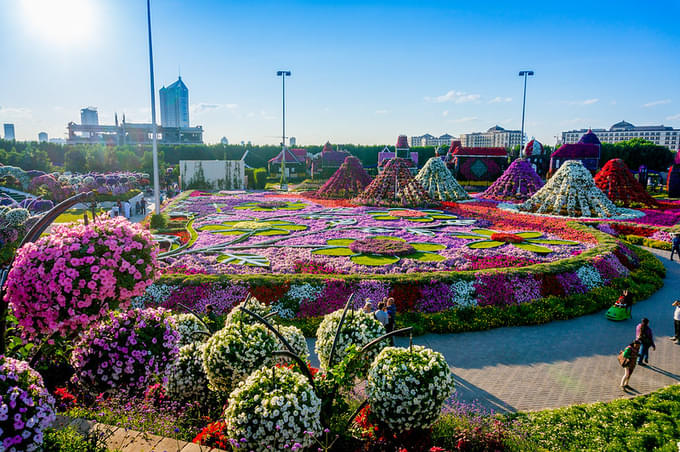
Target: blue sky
(363,72)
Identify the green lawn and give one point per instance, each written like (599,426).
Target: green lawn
(73,215)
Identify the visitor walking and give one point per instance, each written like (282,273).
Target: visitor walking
(628,359)
(675,248)
(143,203)
(120,208)
(381,314)
(676,321)
(643,333)
(126,209)
(392,314)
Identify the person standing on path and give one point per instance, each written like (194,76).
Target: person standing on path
(381,314)
(643,333)
(675,245)
(676,321)
(143,203)
(630,354)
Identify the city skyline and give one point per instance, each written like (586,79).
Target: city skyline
(362,72)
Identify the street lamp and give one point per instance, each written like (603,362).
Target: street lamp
(283,75)
(524,74)
(154,149)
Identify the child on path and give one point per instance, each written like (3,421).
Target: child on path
(643,333)
(630,354)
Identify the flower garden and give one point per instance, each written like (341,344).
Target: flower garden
(205,340)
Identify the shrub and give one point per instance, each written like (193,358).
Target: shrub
(272,410)
(158,221)
(190,329)
(407,387)
(129,350)
(297,341)
(26,408)
(72,277)
(186,377)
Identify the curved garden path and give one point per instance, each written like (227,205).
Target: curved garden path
(563,362)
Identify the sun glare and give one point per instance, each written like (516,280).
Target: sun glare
(61,22)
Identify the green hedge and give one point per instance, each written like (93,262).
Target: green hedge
(644,241)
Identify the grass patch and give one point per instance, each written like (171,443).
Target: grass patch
(74,215)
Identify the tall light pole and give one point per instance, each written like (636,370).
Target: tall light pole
(154,150)
(283,75)
(524,74)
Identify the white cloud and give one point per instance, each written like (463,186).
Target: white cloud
(498,99)
(14,113)
(581,102)
(381,112)
(657,102)
(203,107)
(464,119)
(457,97)
(445,113)
(674,117)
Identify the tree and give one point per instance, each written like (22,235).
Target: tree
(75,160)
(636,152)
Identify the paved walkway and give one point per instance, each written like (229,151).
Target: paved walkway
(564,362)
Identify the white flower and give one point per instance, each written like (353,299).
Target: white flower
(186,377)
(437,180)
(463,293)
(190,329)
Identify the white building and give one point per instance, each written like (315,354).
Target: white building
(622,131)
(89,116)
(495,137)
(431,140)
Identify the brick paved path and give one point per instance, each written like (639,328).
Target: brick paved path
(564,362)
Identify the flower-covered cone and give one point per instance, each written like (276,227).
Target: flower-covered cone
(617,182)
(571,192)
(348,181)
(395,187)
(438,181)
(519,181)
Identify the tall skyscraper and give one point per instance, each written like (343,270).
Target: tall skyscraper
(89,116)
(9,131)
(175,105)
(42,137)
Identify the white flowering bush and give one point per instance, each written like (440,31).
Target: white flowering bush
(589,276)
(26,408)
(234,352)
(438,181)
(302,292)
(359,328)
(463,293)
(283,310)
(253,305)
(190,329)
(272,410)
(186,377)
(155,295)
(297,341)
(407,387)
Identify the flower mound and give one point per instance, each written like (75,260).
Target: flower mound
(251,304)
(382,246)
(571,192)
(348,181)
(235,351)
(407,388)
(296,339)
(438,181)
(359,328)
(617,182)
(72,277)
(519,181)
(186,378)
(272,410)
(190,329)
(26,408)
(395,187)
(129,350)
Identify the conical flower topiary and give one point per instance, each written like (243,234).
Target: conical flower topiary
(519,182)
(571,192)
(617,182)
(438,181)
(395,187)
(348,181)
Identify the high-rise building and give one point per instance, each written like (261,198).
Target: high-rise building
(495,137)
(292,141)
(89,116)
(622,131)
(9,131)
(175,105)
(42,137)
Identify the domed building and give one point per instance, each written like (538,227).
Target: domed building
(587,151)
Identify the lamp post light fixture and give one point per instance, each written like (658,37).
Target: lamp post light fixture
(154,148)
(524,74)
(283,75)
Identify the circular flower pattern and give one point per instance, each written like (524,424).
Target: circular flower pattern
(528,241)
(126,351)
(26,408)
(271,206)
(235,351)
(253,227)
(272,410)
(381,250)
(416,215)
(407,387)
(359,328)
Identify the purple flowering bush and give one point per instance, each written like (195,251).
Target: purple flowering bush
(129,350)
(26,408)
(73,276)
